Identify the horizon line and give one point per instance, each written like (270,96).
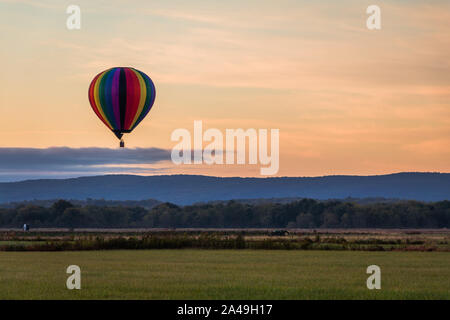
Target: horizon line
(227,177)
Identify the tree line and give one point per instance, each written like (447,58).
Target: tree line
(305,213)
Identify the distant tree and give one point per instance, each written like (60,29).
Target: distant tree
(305,213)
(305,220)
(72,218)
(60,206)
(31,214)
(330,220)
(346,220)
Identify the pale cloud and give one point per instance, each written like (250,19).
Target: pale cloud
(430,147)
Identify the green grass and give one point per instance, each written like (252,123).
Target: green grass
(20,242)
(224,274)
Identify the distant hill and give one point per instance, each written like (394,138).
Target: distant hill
(187,189)
(147,204)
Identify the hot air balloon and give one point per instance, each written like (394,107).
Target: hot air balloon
(121,97)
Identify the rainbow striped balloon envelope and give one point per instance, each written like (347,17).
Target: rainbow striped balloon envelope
(121,97)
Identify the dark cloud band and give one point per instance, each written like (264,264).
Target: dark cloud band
(68,161)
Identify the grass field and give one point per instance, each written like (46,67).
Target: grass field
(224,274)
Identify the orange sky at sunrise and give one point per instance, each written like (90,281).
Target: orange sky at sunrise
(347,100)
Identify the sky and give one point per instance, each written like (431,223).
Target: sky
(346,99)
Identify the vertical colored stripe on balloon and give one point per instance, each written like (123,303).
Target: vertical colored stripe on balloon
(97,100)
(91,97)
(142,97)
(115,96)
(106,97)
(122,97)
(151,94)
(133,95)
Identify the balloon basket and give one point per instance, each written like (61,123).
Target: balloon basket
(122,143)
